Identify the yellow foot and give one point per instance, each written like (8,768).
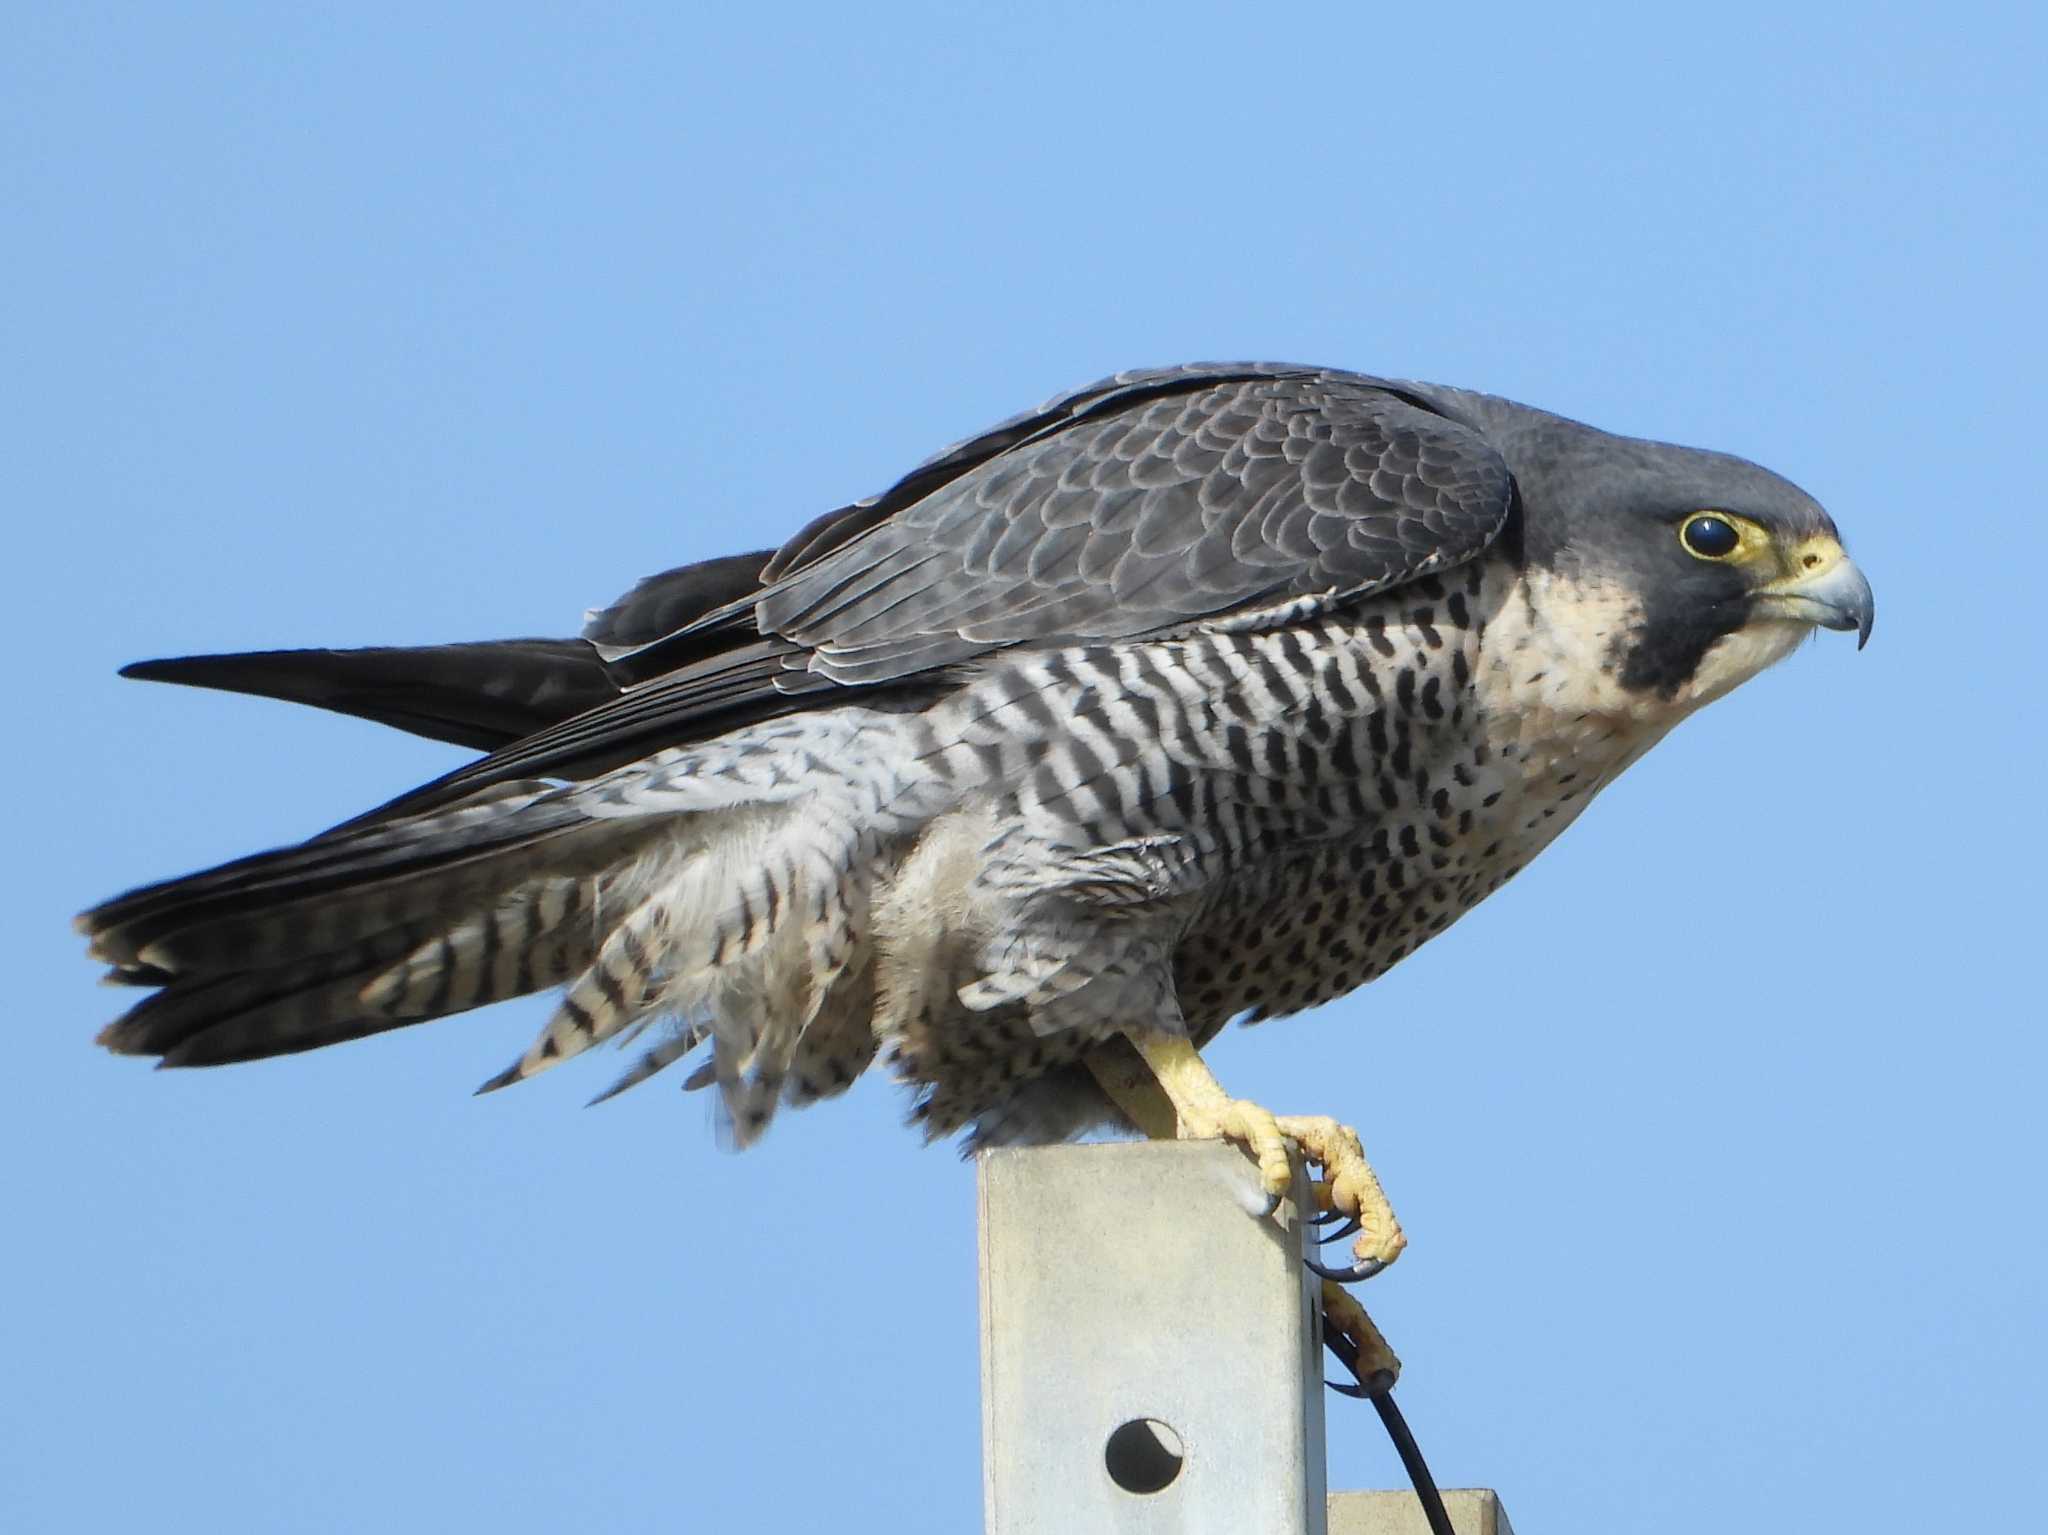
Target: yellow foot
(1349,1185)
(1353,1339)
(1165,1088)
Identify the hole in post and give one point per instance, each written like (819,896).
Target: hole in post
(1144,1455)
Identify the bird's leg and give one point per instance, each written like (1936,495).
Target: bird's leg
(1162,1083)
(1129,1083)
(1135,1086)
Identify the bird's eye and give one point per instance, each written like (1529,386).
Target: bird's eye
(1708,537)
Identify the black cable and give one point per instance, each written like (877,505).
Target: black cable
(1411,1458)
(1380,1392)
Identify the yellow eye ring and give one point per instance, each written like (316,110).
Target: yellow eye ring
(1710,536)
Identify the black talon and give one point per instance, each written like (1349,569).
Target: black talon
(1326,1217)
(1350,1275)
(1380,1382)
(1349,1228)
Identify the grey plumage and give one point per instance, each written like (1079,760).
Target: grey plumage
(1200,692)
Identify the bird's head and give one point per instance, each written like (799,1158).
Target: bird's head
(1699,569)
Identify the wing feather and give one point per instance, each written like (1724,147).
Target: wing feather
(1111,529)
(1147,503)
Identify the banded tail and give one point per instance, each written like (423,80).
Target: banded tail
(723,888)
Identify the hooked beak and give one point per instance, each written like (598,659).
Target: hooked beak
(1829,591)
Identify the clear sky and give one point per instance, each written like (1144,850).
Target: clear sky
(1717,1134)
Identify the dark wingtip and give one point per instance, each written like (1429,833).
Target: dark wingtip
(167,668)
(482,694)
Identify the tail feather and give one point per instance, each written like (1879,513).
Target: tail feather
(305,1016)
(502,951)
(726,888)
(186,1008)
(111,924)
(659,1056)
(135,975)
(342,889)
(353,934)
(302,1019)
(620,988)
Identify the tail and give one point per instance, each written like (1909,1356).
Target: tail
(360,931)
(706,886)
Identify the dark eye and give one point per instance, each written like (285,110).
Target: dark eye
(1709,537)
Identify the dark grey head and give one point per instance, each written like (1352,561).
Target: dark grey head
(1722,558)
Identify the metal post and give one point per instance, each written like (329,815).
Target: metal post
(1150,1349)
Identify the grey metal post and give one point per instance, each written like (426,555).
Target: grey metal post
(1150,1352)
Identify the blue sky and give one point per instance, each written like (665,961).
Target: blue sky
(1716,1134)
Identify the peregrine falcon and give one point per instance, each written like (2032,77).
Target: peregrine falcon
(1202,693)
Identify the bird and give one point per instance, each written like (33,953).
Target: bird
(1200,694)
